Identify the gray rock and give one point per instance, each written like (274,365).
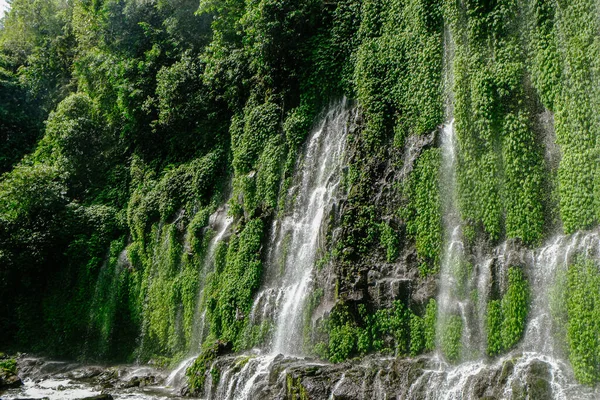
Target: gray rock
(8,380)
(99,397)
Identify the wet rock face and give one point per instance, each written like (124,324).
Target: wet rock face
(8,373)
(489,384)
(535,382)
(367,277)
(56,380)
(515,377)
(287,378)
(9,380)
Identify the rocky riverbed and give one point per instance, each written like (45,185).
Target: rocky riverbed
(38,378)
(256,376)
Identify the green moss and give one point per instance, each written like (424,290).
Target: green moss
(398,68)
(429,322)
(313,302)
(423,212)
(8,365)
(564,69)
(295,389)
(499,164)
(230,289)
(515,306)
(198,371)
(394,330)
(451,337)
(583,326)
(417,335)
(506,318)
(342,342)
(389,241)
(494,321)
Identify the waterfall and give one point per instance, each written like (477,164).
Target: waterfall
(538,349)
(293,247)
(101,318)
(219,222)
(297,234)
(463,274)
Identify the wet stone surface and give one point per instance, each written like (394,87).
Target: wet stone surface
(54,380)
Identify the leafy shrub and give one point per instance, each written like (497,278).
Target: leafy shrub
(429,322)
(506,318)
(583,326)
(451,337)
(389,241)
(423,213)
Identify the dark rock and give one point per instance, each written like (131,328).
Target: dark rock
(139,381)
(9,380)
(133,382)
(86,373)
(538,379)
(32,398)
(98,397)
(372,277)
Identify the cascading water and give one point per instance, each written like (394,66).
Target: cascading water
(294,243)
(219,222)
(461,276)
(538,349)
(297,234)
(101,318)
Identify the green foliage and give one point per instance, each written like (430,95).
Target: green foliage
(565,48)
(499,164)
(451,337)
(583,311)
(389,241)
(186,100)
(342,342)
(20,125)
(494,320)
(77,142)
(230,289)
(8,365)
(423,213)
(396,330)
(398,68)
(515,305)
(197,372)
(417,335)
(506,318)
(429,322)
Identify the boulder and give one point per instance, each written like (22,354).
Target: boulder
(9,380)
(105,396)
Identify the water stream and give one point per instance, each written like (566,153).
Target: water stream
(295,240)
(219,222)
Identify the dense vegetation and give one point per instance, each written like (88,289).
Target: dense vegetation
(576,310)
(506,317)
(125,124)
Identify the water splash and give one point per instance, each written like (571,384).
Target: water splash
(540,350)
(176,377)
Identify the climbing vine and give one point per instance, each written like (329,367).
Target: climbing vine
(506,318)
